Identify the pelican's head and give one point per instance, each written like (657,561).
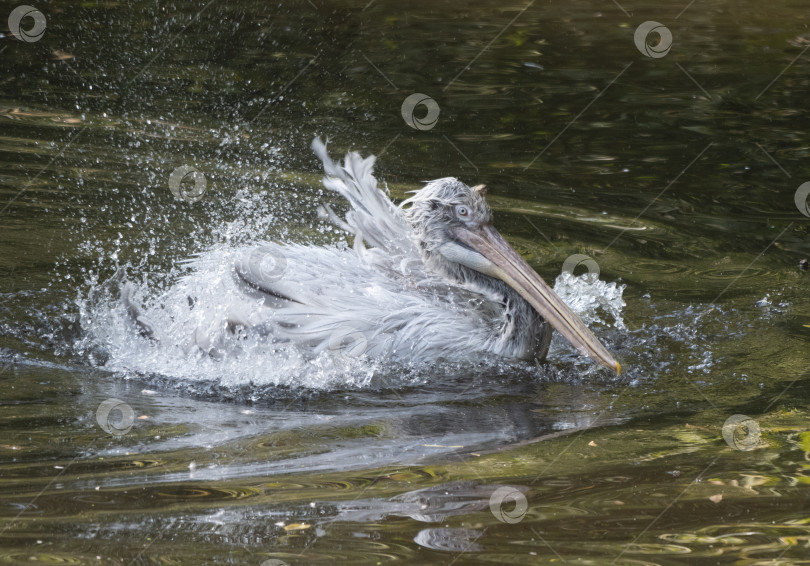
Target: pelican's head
(452,223)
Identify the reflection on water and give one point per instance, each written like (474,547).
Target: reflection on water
(676,174)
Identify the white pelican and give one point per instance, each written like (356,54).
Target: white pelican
(426,280)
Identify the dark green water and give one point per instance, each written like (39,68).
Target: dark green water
(677,174)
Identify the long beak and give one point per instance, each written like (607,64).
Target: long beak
(503,262)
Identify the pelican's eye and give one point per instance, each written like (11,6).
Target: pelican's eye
(462,212)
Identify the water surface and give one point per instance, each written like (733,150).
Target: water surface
(676,174)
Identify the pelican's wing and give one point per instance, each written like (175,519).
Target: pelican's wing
(315,299)
(373,218)
(326,298)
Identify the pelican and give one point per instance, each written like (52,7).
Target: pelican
(426,280)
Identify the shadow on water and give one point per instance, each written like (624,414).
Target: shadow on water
(677,174)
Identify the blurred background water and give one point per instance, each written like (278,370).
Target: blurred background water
(676,171)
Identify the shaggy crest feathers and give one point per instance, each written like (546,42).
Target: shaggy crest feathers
(430,211)
(449,191)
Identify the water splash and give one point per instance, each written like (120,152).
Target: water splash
(232,360)
(188,344)
(588,297)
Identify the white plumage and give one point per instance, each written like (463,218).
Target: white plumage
(414,286)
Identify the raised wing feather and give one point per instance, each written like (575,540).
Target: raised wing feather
(373,218)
